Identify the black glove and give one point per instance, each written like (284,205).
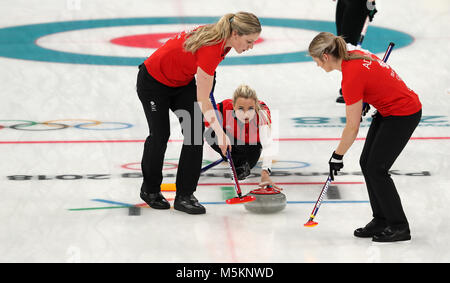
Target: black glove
(372,10)
(336,163)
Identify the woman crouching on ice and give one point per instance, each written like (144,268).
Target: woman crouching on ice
(247,122)
(366,78)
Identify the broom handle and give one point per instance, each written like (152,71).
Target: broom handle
(363,32)
(319,200)
(230,160)
(209,166)
(388,52)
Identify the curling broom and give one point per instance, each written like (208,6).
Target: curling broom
(240,198)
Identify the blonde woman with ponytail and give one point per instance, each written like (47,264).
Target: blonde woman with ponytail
(247,121)
(366,78)
(179,77)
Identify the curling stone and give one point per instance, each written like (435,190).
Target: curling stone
(267,200)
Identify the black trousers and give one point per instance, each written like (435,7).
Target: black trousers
(157,99)
(386,138)
(240,152)
(350,18)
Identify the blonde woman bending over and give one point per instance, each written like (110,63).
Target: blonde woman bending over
(166,81)
(366,78)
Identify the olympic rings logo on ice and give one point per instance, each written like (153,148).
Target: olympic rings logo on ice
(61,124)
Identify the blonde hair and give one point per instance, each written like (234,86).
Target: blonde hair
(328,43)
(244,91)
(242,22)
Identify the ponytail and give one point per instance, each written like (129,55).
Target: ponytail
(242,22)
(328,43)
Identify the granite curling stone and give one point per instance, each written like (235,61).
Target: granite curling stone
(267,200)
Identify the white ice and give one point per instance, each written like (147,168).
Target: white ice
(37,220)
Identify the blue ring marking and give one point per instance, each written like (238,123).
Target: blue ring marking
(304,164)
(222,202)
(19,42)
(301,202)
(330,201)
(258,165)
(113,202)
(80,126)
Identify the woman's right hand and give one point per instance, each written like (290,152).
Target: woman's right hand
(224,142)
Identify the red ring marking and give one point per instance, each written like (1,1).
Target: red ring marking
(152,40)
(127,166)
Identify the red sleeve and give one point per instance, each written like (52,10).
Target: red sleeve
(208,58)
(266,118)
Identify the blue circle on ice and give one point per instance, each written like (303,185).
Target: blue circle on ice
(19,42)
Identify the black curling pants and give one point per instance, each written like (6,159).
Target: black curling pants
(240,152)
(386,138)
(350,18)
(157,99)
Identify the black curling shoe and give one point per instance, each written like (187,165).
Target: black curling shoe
(373,228)
(392,235)
(155,200)
(243,171)
(188,204)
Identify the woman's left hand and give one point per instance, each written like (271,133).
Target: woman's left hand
(266,181)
